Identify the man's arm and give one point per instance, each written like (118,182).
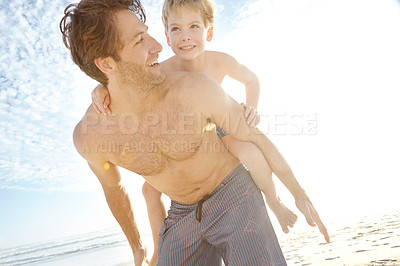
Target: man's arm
(228,114)
(119,203)
(116,196)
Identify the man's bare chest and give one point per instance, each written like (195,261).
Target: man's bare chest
(150,142)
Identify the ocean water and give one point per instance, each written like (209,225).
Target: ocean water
(106,247)
(369,240)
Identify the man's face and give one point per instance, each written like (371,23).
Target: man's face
(187,33)
(139,53)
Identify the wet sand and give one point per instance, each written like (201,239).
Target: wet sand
(367,241)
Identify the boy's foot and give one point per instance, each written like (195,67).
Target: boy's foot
(286,217)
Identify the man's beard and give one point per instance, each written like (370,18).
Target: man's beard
(138,77)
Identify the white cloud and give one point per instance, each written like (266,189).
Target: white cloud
(37,100)
(42,96)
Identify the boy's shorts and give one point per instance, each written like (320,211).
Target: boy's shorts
(231,223)
(221,133)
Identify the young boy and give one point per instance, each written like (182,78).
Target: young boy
(188,25)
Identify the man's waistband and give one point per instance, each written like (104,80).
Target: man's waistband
(234,173)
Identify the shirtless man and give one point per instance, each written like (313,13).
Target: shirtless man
(163,128)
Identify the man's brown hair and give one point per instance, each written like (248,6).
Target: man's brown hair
(89,31)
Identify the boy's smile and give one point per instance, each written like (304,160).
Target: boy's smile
(188,47)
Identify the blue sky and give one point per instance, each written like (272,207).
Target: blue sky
(332,63)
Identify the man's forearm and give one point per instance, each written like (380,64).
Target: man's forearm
(120,206)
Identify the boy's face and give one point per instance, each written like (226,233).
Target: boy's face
(187,33)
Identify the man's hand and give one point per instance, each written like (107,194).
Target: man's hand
(140,257)
(101,100)
(305,206)
(252,117)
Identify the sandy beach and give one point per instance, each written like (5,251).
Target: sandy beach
(367,241)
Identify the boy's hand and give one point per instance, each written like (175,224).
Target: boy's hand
(101,100)
(251,114)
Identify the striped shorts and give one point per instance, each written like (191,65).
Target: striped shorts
(230,224)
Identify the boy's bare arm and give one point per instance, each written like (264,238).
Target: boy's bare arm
(242,74)
(101,100)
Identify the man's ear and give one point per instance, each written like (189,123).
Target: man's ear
(210,33)
(105,64)
(168,41)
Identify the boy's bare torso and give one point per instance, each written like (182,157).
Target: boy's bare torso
(165,143)
(211,64)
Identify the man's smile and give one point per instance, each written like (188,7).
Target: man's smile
(154,63)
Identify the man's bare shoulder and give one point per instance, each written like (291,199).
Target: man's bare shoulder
(169,65)
(85,134)
(190,84)
(195,90)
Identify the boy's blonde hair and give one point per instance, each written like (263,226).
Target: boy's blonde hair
(204,7)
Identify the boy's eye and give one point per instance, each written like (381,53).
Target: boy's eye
(175,29)
(194,27)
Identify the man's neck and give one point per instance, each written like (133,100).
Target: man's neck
(129,98)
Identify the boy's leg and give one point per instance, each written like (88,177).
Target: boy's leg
(252,157)
(156,211)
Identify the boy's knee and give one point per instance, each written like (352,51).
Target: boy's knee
(253,158)
(148,190)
